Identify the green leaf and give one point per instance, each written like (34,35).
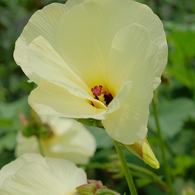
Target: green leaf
(172,116)
(11,110)
(8,141)
(182,56)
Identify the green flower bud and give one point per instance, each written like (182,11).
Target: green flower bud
(143,151)
(95,188)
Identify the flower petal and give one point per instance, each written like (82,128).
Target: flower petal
(69,173)
(26,145)
(42,99)
(130,127)
(137,58)
(132,56)
(72,3)
(87,43)
(68,141)
(11,168)
(34,178)
(145,16)
(49,65)
(80,44)
(42,23)
(120,98)
(73,139)
(32,174)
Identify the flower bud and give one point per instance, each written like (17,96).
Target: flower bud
(33,126)
(143,150)
(95,187)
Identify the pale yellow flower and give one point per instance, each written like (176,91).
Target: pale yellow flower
(95,59)
(31,174)
(69,140)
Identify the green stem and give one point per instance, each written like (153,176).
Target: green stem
(132,167)
(155,178)
(165,162)
(125,168)
(40,146)
(167,146)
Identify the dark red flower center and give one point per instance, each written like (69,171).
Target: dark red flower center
(98,91)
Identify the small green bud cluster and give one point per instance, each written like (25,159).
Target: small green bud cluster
(34,126)
(95,188)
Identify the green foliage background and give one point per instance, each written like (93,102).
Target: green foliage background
(176,100)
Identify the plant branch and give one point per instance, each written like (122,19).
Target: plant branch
(162,146)
(125,168)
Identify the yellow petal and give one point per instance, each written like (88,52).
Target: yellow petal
(88,47)
(50,99)
(49,65)
(120,98)
(80,46)
(132,58)
(137,57)
(42,23)
(87,42)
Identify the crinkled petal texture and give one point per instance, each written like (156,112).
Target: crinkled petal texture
(70,140)
(67,49)
(32,174)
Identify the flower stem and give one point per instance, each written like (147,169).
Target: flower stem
(40,147)
(162,146)
(125,168)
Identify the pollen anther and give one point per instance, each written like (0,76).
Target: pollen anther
(97,91)
(101,95)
